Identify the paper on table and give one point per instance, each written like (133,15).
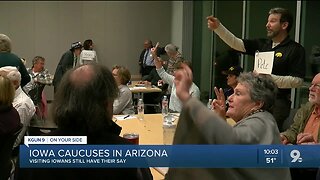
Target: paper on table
(124,117)
(132,88)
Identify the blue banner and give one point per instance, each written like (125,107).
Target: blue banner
(197,156)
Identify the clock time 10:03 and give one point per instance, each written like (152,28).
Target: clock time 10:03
(271,151)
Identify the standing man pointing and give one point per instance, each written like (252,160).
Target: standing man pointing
(289,61)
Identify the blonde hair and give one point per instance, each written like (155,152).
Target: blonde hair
(6,92)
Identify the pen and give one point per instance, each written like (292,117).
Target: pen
(126,116)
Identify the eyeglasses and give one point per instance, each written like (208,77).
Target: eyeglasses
(316,86)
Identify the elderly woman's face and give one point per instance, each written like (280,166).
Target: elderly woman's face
(240,103)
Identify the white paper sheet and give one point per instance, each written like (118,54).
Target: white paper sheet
(263,62)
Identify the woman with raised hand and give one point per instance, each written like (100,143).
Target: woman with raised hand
(250,107)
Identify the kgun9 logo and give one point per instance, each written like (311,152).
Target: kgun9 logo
(295,154)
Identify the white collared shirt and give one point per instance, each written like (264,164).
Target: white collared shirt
(147,58)
(26,109)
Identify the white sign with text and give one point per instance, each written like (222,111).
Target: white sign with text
(263,62)
(88,55)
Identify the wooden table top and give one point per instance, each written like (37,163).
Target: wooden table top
(150,129)
(150,133)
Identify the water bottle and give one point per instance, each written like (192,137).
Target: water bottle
(209,104)
(168,132)
(165,109)
(140,109)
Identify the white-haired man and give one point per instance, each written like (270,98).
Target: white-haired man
(22,103)
(305,128)
(174,57)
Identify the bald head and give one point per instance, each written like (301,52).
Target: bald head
(83,98)
(82,75)
(317,77)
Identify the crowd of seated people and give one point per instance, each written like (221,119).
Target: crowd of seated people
(249,102)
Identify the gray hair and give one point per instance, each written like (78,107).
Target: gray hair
(36,59)
(261,88)
(11,72)
(171,48)
(5,43)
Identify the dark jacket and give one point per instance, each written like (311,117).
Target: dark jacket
(146,70)
(9,121)
(10,127)
(65,63)
(9,59)
(299,123)
(152,77)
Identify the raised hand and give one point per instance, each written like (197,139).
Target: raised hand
(156,59)
(219,104)
(213,22)
(183,82)
(154,49)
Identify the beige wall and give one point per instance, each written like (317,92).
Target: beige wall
(176,24)
(117,28)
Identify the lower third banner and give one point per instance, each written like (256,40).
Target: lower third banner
(197,156)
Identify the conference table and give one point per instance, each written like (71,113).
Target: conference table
(150,133)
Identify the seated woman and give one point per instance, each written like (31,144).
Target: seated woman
(9,125)
(250,106)
(175,104)
(123,104)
